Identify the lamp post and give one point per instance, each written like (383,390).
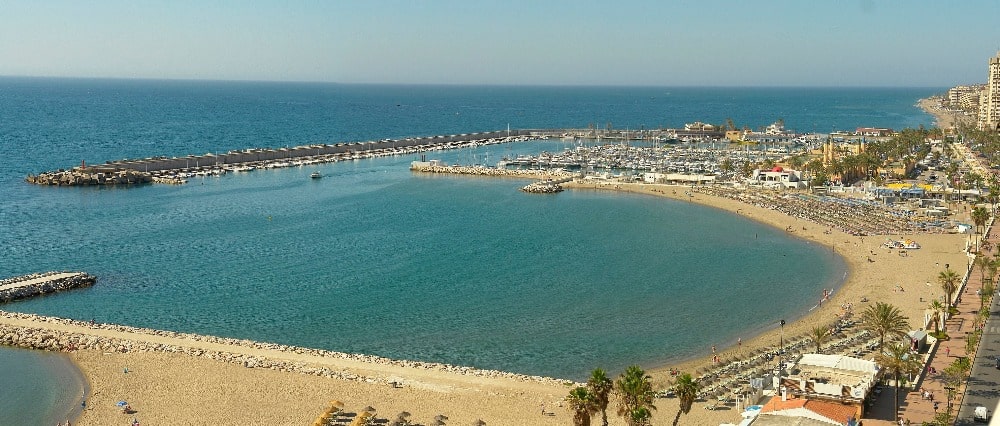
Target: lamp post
(951,394)
(781,350)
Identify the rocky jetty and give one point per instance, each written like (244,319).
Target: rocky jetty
(57,339)
(36,284)
(90,176)
(491,171)
(543,187)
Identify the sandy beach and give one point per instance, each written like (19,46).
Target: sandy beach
(943,119)
(178,388)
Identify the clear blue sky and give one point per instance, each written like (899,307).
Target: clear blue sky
(564,42)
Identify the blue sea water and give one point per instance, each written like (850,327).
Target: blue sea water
(377,260)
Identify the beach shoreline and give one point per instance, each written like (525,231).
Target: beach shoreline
(171,380)
(945,120)
(871,280)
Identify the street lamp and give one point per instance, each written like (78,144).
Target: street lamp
(951,392)
(781,350)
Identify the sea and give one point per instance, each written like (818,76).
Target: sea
(378,260)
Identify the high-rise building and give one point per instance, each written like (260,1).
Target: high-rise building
(989,107)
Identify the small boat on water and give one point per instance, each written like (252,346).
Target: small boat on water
(315,175)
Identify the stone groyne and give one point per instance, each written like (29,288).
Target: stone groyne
(37,284)
(174,170)
(91,176)
(429,167)
(543,187)
(57,338)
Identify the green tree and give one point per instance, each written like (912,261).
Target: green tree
(938,309)
(641,417)
(979,217)
(949,283)
(582,404)
(600,388)
(686,389)
(819,335)
(897,361)
(635,391)
(884,320)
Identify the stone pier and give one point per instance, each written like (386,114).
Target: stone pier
(37,284)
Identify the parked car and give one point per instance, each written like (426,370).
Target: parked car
(981,415)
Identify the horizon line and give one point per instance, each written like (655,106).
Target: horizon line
(432,84)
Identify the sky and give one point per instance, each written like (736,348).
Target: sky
(843,43)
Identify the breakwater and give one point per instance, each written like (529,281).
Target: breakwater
(39,332)
(37,284)
(550,183)
(433,167)
(174,170)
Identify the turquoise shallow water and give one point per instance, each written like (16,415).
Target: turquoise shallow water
(471,271)
(38,388)
(377,260)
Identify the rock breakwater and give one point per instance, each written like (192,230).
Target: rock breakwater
(54,334)
(90,176)
(543,187)
(493,171)
(37,284)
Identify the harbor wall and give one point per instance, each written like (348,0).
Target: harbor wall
(275,154)
(37,284)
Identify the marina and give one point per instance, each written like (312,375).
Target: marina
(613,151)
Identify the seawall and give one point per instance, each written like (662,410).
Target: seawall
(65,335)
(37,284)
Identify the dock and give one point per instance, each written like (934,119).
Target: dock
(32,285)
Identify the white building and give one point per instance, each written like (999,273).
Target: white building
(989,106)
(777,178)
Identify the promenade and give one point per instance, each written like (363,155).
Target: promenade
(913,406)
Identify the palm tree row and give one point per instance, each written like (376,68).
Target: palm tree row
(633,391)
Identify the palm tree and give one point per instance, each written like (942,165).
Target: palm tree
(641,416)
(884,320)
(819,334)
(979,217)
(600,386)
(686,389)
(582,404)
(635,391)
(949,283)
(983,263)
(985,293)
(897,360)
(938,308)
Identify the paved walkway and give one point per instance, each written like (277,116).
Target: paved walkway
(914,407)
(39,280)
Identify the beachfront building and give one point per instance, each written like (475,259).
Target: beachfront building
(677,178)
(821,390)
(965,97)
(873,131)
(805,412)
(777,177)
(989,106)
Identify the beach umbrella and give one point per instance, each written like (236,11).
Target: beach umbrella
(121,403)
(479,422)
(441,417)
(403,415)
(369,409)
